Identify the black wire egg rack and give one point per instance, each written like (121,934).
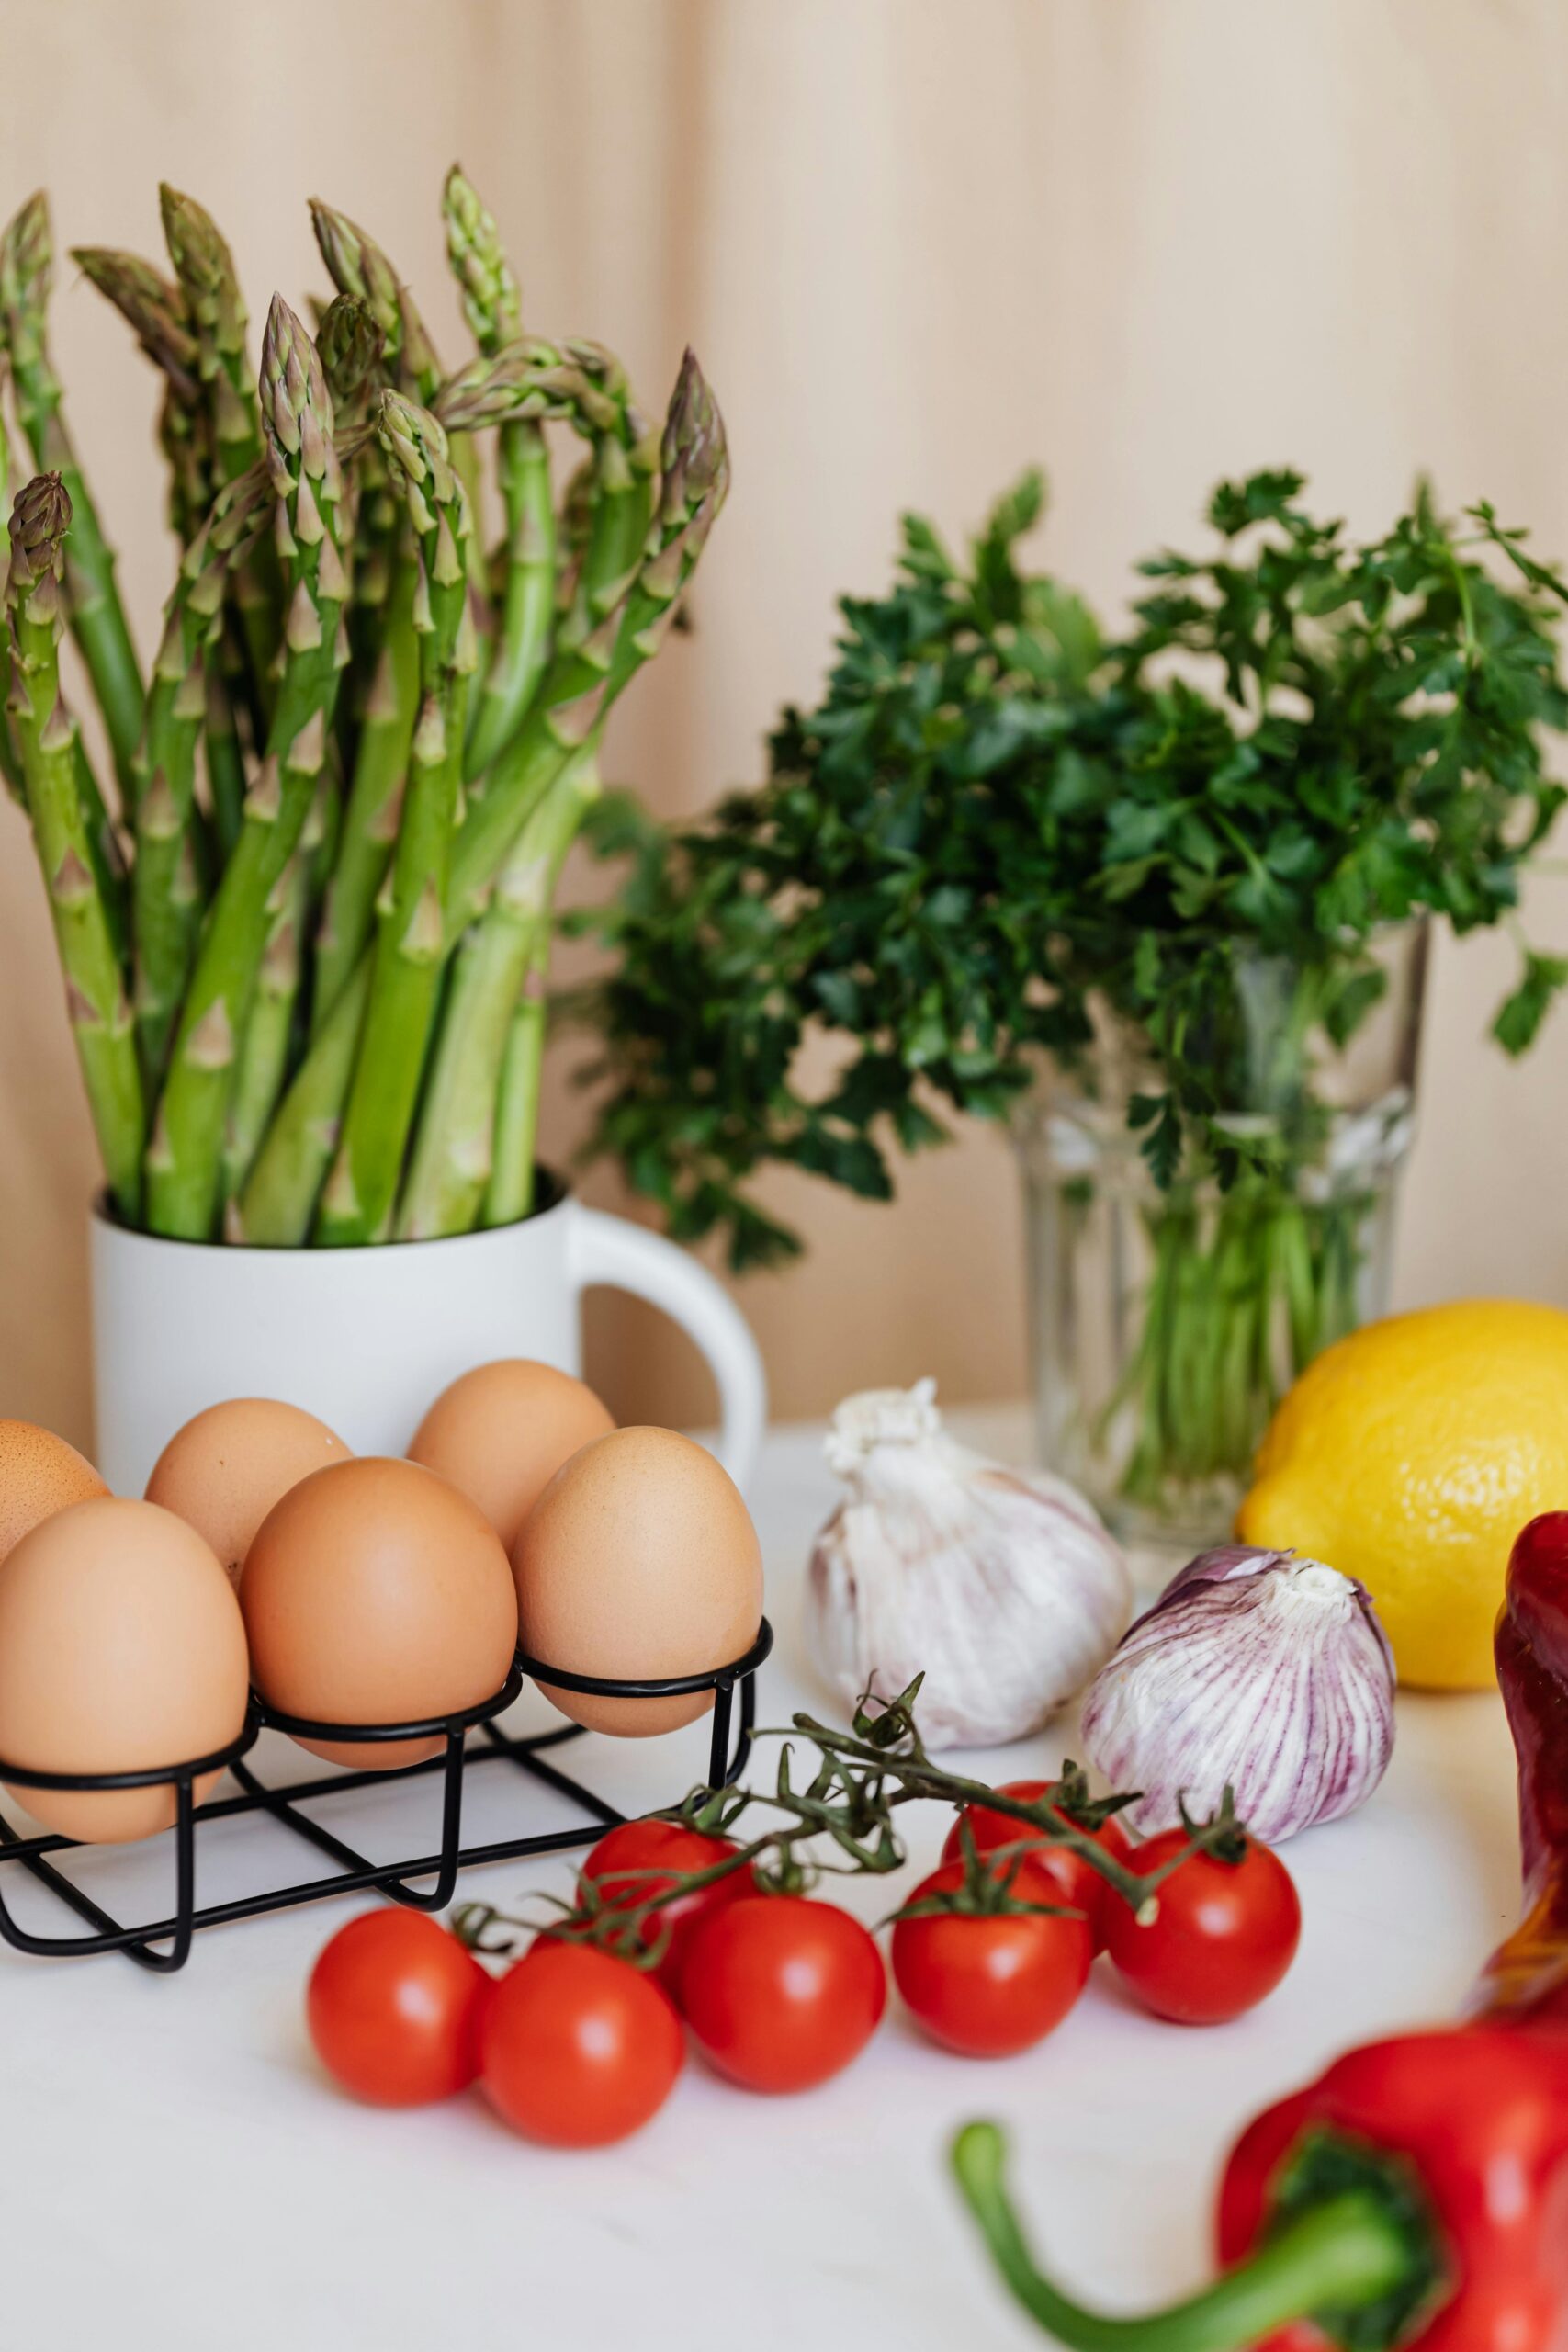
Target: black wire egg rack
(469,1739)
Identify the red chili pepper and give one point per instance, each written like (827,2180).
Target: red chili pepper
(1415,2198)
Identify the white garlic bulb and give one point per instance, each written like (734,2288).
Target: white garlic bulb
(1000,1586)
(1254,1671)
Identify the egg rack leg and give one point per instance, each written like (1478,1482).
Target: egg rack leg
(388,1878)
(724,1767)
(136,1943)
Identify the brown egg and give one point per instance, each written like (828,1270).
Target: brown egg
(639,1560)
(225,1469)
(40,1474)
(121,1647)
(502,1431)
(376,1593)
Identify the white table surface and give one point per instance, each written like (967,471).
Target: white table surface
(175,2173)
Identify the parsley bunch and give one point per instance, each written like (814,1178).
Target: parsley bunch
(996,819)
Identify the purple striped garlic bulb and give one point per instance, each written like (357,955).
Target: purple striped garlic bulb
(1255,1671)
(1000,1586)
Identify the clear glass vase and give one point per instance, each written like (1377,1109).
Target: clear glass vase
(1166,1324)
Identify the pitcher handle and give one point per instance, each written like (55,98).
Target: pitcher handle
(612,1250)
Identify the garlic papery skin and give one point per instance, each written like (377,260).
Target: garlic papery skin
(1000,1586)
(1254,1670)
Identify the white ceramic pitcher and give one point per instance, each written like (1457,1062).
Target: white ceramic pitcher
(364,1339)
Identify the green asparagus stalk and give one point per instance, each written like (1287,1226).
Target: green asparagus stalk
(464,1120)
(493,307)
(92,600)
(511,1196)
(526,595)
(216,308)
(181,438)
(225,762)
(620,495)
(375,802)
(10,751)
(263,1056)
(100,1010)
(109,868)
(274,1208)
(362,1189)
(166,892)
(182,1167)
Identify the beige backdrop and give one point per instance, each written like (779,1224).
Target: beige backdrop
(918,243)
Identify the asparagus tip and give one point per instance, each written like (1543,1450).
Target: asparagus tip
(26,255)
(292,386)
(350,345)
(196,247)
(40,516)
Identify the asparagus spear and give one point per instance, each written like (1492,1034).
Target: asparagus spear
(353,348)
(620,495)
(167,893)
(513,1155)
(91,601)
(46,733)
(216,308)
(357,1204)
(182,1164)
(371,819)
(225,762)
(10,751)
(475,1148)
(493,307)
(263,1056)
(205,268)
(274,1208)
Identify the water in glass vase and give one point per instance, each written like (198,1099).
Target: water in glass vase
(1168,1322)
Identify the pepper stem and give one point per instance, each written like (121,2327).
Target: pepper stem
(1336,2256)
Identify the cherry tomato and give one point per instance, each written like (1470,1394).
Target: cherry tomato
(987,1985)
(1080,1883)
(658,1853)
(579,2048)
(394,2007)
(1224,1935)
(782,1992)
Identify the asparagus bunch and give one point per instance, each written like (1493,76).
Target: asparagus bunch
(306,934)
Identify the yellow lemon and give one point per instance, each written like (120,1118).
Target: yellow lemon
(1410,1454)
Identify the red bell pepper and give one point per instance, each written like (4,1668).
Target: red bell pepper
(1528,1978)
(1415,2198)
